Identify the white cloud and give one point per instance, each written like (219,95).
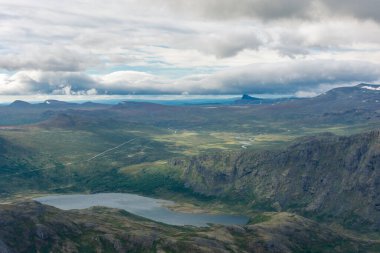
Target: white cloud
(298,77)
(39,82)
(122,82)
(186,46)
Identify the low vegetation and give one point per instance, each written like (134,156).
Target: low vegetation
(274,163)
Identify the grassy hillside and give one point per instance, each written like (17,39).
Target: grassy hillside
(249,159)
(327,177)
(32,227)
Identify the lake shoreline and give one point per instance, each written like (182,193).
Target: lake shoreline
(159,210)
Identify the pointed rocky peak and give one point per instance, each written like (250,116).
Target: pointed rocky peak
(248,97)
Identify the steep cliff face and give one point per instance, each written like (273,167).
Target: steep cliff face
(327,177)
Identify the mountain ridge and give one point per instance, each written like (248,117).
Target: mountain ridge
(327,176)
(45,228)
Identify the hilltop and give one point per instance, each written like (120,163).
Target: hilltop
(101,229)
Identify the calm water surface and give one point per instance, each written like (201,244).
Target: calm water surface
(150,208)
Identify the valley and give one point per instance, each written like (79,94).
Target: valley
(201,126)
(299,169)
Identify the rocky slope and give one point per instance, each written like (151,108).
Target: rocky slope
(32,227)
(327,177)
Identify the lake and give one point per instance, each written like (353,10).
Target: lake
(154,209)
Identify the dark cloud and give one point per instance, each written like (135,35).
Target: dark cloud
(274,9)
(47,58)
(287,77)
(222,9)
(363,9)
(224,44)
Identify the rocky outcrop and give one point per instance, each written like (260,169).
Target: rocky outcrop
(329,177)
(33,227)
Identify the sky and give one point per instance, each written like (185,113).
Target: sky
(116,47)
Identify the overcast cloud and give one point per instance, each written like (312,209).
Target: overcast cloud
(177,46)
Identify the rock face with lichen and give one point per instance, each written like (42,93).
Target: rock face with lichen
(329,177)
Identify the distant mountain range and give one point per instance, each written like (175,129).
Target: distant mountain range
(51,103)
(304,188)
(340,105)
(338,93)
